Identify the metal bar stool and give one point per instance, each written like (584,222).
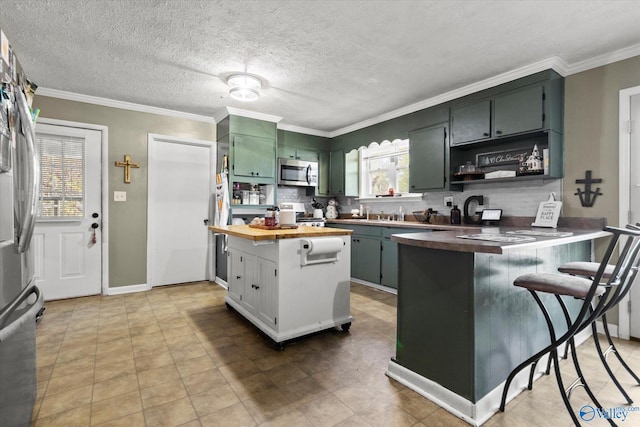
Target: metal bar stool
(588,269)
(598,296)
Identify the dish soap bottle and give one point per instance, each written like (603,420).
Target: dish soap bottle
(455,215)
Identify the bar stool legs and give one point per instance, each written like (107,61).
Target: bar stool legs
(603,358)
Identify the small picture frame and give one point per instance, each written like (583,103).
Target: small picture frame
(548,214)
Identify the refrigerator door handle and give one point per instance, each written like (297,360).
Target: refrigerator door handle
(31,175)
(27,316)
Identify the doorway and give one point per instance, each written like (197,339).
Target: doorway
(181,192)
(629,182)
(68,237)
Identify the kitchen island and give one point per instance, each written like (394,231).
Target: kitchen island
(289,282)
(462,325)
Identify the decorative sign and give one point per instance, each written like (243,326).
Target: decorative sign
(499,158)
(588,197)
(548,213)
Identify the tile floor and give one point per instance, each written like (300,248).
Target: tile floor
(175,356)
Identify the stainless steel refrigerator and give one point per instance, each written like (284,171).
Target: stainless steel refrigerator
(20,299)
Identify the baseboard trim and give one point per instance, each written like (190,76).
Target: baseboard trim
(473,413)
(375,286)
(119,290)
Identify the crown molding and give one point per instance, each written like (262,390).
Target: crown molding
(253,115)
(606,59)
(300,129)
(554,63)
(61,94)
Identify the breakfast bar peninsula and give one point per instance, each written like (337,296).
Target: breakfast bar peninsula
(289,282)
(462,324)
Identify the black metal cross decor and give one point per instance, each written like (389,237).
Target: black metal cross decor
(588,197)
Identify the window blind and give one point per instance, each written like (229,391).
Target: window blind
(62,161)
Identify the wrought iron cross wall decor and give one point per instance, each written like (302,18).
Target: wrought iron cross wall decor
(127,165)
(588,197)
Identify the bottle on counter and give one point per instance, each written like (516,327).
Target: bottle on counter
(455,215)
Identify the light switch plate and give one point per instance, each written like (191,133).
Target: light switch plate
(119,196)
(448,201)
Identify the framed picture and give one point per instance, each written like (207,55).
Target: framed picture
(548,214)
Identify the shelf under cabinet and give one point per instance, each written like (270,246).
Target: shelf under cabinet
(507,179)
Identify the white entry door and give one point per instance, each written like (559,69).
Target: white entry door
(68,263)
(634,204)
(181,183)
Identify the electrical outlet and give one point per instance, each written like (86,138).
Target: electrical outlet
(119,196)
(448,201)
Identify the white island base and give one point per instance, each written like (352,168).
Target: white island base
(291,287)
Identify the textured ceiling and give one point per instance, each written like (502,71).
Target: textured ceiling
(325,65)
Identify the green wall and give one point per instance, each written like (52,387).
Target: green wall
(128,132)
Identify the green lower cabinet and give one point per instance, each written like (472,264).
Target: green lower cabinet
(374,256)
(365,258)
(389,264)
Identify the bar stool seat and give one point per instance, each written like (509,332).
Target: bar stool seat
(585,269)
(558,284)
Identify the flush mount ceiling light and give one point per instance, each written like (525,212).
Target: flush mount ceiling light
(244,87)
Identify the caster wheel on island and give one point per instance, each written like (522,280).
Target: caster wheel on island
(346,327)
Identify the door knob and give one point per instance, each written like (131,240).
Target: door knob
(95,215)
(95,225)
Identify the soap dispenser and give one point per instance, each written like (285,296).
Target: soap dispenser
(455,215)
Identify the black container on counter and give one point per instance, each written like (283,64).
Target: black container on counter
(455,215)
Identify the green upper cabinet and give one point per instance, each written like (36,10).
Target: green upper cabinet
(252,127)
(509,113)
(471,122)
(519,111)
(344,172)
(297,153)
(427,157)
(323,174)
(336,173)
(253,156)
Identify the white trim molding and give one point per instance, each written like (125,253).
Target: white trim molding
(129,289)
(253,115)
(624,188)
(104,130)
(105,102)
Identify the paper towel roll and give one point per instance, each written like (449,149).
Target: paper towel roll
(327,245)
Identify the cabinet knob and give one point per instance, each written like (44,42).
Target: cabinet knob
(238,277)
(498,132)
(487,133)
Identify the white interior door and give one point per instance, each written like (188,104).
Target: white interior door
(68,263)
(181,183)
(634,204)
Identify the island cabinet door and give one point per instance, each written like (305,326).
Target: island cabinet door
(251,286)
(266,292)
(236,276)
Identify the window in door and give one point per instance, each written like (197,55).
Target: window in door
(383,167)
(62,160)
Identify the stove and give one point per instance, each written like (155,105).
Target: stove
(310,222)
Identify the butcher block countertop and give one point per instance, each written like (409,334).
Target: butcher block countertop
(250,233)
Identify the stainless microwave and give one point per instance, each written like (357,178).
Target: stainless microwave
(297,172)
